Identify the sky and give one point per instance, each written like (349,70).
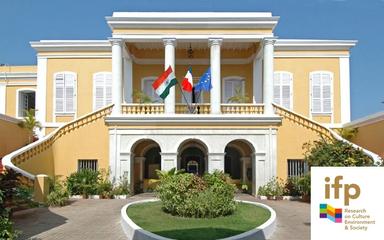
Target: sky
(22,21)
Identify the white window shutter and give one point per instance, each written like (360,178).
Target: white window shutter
(59,93)
(70,83)
(276,88)
(99,86)
(228,90)
(286,90)
(316,92)
(326,93)
(108,88)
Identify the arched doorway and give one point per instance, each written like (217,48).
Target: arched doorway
(146,160)
(238,163)
(192,157)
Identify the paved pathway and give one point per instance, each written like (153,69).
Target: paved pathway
(100,219)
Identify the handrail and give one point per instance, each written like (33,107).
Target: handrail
(42,144)
(284,112)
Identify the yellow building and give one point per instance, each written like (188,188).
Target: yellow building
(269,96)
(370,132)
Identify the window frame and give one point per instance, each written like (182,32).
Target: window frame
(155,98)
(322,113)
(104,89)
(281,89)
(231,78)
(18,91)
(65,113)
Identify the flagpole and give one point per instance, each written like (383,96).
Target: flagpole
(185,98)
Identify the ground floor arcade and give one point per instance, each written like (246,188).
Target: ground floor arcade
(247,155)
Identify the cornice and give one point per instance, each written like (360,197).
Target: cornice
(18,75)
(371,119)
(71,45)
(190,20)
(313,44)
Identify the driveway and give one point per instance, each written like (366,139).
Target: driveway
(100,219)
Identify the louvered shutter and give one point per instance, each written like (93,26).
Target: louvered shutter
(276,88)
(70,83)
(316,92)
(286,90)
(108,88)
(326,93)
(99,88)
(59,93)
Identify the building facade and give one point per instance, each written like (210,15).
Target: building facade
(94,98)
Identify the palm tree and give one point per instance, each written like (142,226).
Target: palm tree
(347,133)
(239,97)
(29,122)
(141,96)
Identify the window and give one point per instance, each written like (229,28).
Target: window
(87,164)
(282,89)
(65,92)
(233,86)
(297,168)
(321,92)
(102,89)
(25,101)
(146,86)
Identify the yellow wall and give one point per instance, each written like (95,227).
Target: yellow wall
(371,137)
(89,141)
(11,93)
(301,68)
(26,68)
(290,139)
(84,68)
(12,137)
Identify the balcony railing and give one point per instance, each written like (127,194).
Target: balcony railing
(201,108)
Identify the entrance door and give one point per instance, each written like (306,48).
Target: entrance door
(192,160)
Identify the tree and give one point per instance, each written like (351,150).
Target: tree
(347,133)
(335,153)
(141,97)
(239,97)
(30,123)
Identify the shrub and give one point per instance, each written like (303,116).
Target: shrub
(58,195)
(275,187)
(83,182)
(6,226)
(304,184)
(188,195)
(292,187)
(122,188)
(335,153)
(104,185)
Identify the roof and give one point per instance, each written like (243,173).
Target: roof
(370,119)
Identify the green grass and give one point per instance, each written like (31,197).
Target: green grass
(150,217)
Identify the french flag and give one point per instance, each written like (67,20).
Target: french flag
(187,82)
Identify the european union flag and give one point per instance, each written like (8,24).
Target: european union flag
(204,83)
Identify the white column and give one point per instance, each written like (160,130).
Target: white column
(345,96)
(117,75)
(257,80)
(215,162)
(3,88)
(41,92)
(169,60)
(215,45)
(268,76)
(128,80)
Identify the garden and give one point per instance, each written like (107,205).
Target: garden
(197,207)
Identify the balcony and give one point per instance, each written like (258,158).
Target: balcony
(203,108)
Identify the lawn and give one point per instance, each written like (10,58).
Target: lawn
(150,217)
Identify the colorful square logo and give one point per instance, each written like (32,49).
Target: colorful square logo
(333,214)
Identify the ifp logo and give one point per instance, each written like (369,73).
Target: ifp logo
(336,190)
(351,191)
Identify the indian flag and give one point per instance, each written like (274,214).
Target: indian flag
(164,83)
